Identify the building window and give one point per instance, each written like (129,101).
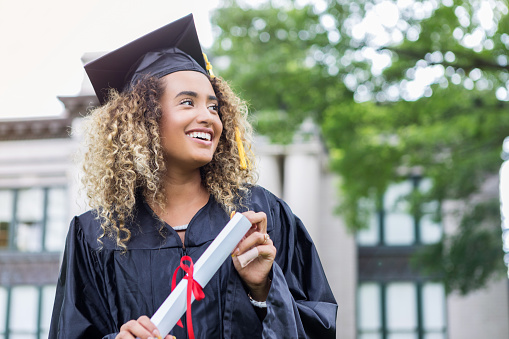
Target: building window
(25,311)
(3,311)
(6,210)
(395,225)
(393,300)
(401,310)
(33,219)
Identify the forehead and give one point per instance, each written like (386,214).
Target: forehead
(177,82)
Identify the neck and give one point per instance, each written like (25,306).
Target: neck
(183,187)
(185,195)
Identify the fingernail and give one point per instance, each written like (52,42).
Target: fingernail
(235,252)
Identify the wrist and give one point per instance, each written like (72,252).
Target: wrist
(256,303)
(260,292)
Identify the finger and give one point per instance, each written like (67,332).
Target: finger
(124,335)
(267,252)
(258,224)
(135,328)
(257,218)
(254,239)
(149,325)
(248,256)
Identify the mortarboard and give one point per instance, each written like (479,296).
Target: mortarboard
(171,48)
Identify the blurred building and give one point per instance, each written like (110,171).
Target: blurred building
(378,292)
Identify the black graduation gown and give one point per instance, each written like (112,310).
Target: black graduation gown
(99,290)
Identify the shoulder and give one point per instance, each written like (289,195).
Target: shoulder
(265,200)
(87,228)
(145,231)
(88,218)
(278,212)
(258,199)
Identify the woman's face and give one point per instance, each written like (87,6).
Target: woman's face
(190,125)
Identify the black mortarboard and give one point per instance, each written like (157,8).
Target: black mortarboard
(174,47)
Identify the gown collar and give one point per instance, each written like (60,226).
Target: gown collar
(203,227)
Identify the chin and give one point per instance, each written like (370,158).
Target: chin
(202,162)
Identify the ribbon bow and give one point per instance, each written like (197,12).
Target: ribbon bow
(192,287)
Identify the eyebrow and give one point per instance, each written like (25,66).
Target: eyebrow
(195,95)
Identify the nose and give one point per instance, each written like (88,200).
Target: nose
(204,116)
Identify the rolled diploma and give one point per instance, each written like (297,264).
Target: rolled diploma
(175,305)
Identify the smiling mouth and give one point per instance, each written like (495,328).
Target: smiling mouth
(200,135)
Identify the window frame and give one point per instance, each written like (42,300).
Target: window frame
(384,263)
(383,331)
(40,330)
(12,227)
(380,215)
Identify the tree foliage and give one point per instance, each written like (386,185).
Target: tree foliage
(398,88)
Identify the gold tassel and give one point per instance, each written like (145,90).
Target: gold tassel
(240,147)
(208,66)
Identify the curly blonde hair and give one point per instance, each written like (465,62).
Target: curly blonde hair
(123,155)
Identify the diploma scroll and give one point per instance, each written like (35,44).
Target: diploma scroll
(174,306)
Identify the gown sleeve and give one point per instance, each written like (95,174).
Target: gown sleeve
(300,303)
(80,309)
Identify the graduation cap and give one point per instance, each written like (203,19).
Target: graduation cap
(171,48)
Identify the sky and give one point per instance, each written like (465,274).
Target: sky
(42,42)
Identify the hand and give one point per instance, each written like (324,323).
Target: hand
(142,328)
(256,274)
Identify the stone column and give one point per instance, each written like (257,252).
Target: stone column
(301,188)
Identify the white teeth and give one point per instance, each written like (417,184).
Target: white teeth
(200,135)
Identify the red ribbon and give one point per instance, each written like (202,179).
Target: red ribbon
(192,287)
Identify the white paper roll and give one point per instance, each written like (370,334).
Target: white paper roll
(175,305)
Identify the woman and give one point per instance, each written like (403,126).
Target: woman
(164,170)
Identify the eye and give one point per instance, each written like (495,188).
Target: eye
(187,102)
(214,107)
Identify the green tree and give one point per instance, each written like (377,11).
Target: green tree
(423,88)
(265,51)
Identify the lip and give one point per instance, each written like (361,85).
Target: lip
(203,130)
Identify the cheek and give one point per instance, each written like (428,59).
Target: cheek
(163,121)
(219,127)
(164,125)
(171,121)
